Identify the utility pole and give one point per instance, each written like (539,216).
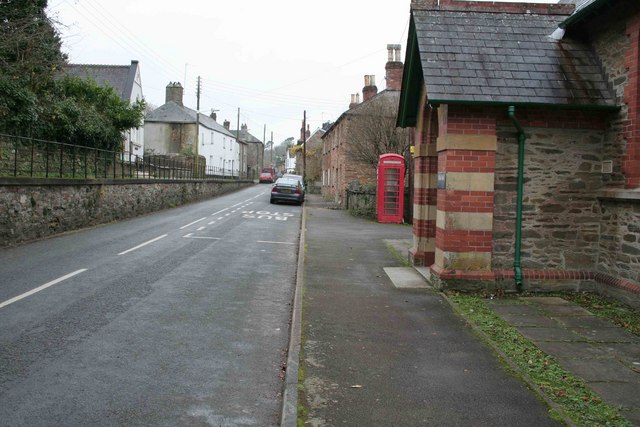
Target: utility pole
(240,146)
(271,152)
(264,140)
(304,147)
(198,88)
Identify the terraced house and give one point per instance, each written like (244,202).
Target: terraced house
(527,143)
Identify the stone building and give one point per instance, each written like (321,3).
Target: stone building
(527,142)
(174,128)
(254,151)
(352,137)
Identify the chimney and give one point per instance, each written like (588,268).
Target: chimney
(243,127)
(174,93)
(355,100)
(307,134)
(370,89)
(226,124)
(302,138)
(394,67)
(214,116)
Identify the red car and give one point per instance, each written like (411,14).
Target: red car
(266,177)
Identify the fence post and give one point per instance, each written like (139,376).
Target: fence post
(31,169)
(15,157)
(46,171)
(61,160)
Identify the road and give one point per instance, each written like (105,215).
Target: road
(175,318)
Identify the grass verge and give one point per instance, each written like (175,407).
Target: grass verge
(568,392)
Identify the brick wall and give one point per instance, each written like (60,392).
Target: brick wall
(344,170)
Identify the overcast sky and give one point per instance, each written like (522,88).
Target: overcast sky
(273,59)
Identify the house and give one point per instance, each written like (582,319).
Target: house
(313,151)
(254,151)
(126,81)
(171,129)
(527,143)
(352,145)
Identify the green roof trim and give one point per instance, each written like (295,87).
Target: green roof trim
(583,13)
(412,82)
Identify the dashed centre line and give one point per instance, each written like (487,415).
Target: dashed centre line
(194,222)
(143,244)
(40,288)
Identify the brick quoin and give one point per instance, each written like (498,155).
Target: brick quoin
(424,227)
(465,201)
(425,196)
(464,240)
(466,161)
(425,164)
(631,159)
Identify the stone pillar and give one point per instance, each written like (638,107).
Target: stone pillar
(424,189)
(466,148)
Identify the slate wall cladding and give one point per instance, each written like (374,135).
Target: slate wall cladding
(620,239)
(31,210)
(561,212)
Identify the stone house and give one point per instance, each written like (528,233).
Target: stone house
(313,151)
(527,143)
(341,162)
(172,129)
(254,151)
(126,81)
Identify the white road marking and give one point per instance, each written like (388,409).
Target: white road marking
(221,210)
(219,218)
(237,204)
(194,222)
(143,244)
(40,288)
(201,228)
(188,236)
(211,223)
(275,243)
(227,214)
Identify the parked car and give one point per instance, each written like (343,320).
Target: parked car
(265,177)
(298,177)
(287,190)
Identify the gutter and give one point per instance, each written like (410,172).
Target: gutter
(517,268)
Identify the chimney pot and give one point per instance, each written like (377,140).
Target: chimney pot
(226,124)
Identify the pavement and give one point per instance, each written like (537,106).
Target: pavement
(375,345)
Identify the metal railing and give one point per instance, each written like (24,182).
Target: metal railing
(35,158)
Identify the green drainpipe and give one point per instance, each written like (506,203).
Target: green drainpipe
(521,139)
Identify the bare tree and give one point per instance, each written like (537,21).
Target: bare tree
(372,130)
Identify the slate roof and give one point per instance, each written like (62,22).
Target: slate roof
(490,57)
(244,136)
(171,112)
(119,77)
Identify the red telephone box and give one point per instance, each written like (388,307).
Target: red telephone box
(390,198)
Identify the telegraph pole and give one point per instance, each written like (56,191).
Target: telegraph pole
(240,146)
(271,152)
(264,140)
(198,88)
(304,147)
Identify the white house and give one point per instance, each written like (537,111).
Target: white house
(126,81)
(171,129)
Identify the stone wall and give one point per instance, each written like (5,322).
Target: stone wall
(32,209)
(620,239)
(561,212)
